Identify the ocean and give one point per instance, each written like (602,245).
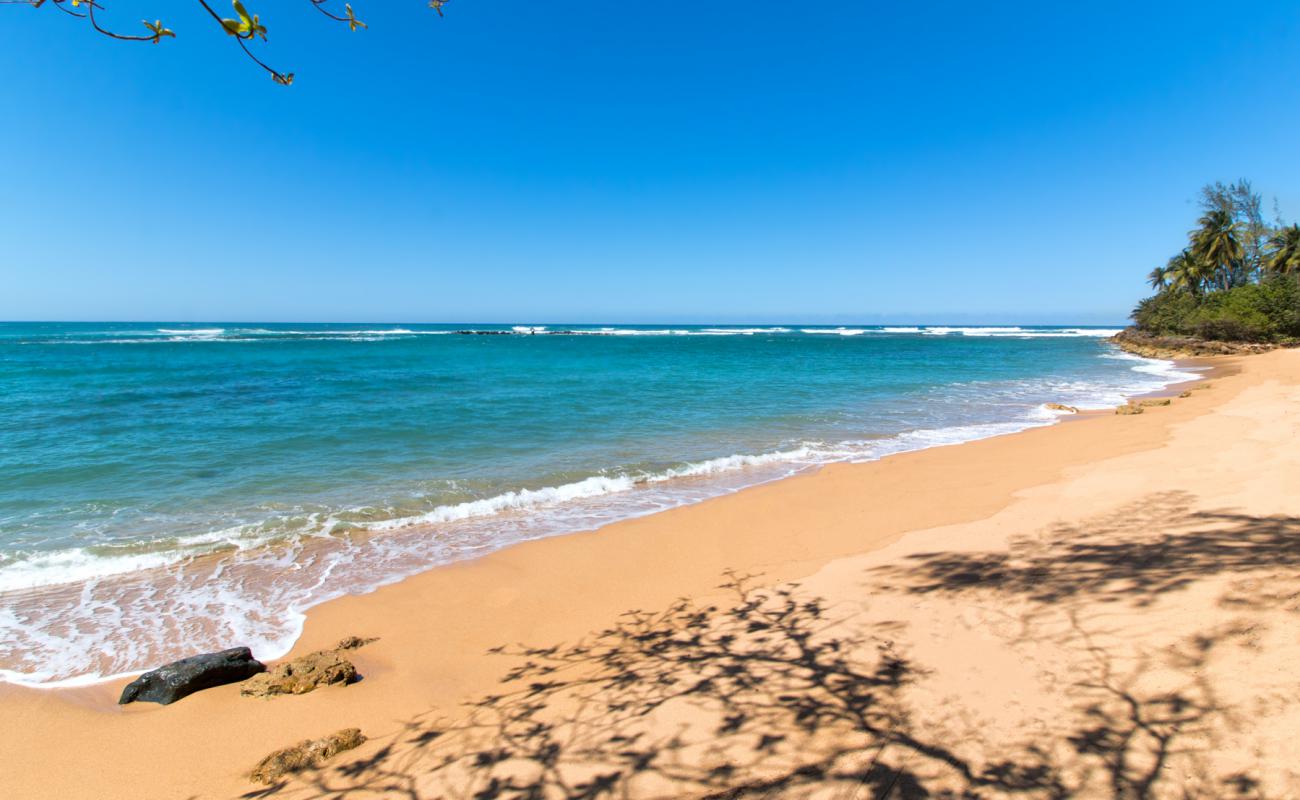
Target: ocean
(173,488)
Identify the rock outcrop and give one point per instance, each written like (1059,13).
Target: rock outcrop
(1131,408)
(1061,407)
(302,675)
(1149,345)
(307,754)
(1153,403)
(306,673)
(179,679)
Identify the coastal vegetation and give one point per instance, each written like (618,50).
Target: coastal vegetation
(1237,279)
(244,27)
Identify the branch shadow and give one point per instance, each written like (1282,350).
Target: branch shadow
(779,694)
(1135,554)
(1128,732)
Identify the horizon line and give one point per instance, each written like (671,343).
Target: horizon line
(550,324)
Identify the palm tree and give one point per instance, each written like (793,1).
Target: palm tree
(1284,251)
(1216,245)
(1184,273)
(1159,278)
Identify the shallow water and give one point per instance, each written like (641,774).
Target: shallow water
(171,487)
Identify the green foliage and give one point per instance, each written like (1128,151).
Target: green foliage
(1239,201)
(1284,251)
(353,22)
(156,28)
(1236,280)
(1264,311)
(1165,313)
(1228,330)
(1216,249)
(245,27)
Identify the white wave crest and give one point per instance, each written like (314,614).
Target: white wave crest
(522,499)
(835,331)
(75,565)
(1166,371)
(940,330)
(743,331)
(196,332)
(1020,333)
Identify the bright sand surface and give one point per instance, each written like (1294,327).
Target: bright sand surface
(1104,608)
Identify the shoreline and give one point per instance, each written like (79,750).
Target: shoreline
(729,483)
(434,627)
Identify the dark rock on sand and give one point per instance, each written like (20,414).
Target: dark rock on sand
(307,754)
(178,679)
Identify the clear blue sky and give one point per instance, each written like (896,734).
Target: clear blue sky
(600,161)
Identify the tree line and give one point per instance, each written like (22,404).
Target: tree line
(1231,245)
(1234,279)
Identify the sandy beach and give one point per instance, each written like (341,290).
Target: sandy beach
(1101,608)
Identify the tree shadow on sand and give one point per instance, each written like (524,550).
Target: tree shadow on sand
(764,697)
(777,694)
(1065,582)
(1134,555)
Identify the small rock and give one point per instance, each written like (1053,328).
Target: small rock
(307,754)
(1129,409)
(178,679)
(302,675)
(352,643)
(1163,401)
(1187,393)
(1062,407)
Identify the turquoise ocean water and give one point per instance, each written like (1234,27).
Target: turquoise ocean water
(169,488)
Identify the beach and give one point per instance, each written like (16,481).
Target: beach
(854,403)
(1105,607)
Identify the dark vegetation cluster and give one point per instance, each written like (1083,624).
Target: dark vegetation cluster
(1237,279)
